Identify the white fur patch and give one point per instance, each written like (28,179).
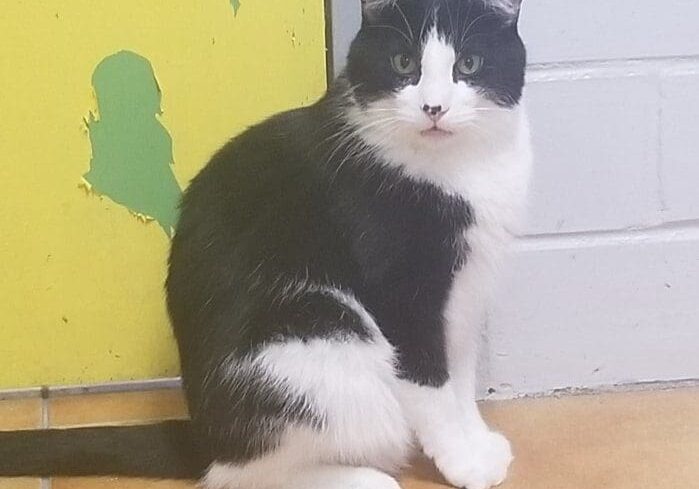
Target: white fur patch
(351,383)
(466,457)
(313,477)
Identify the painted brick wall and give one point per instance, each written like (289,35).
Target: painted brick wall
(604,287)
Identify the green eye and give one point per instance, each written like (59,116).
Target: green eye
(404,64)
(470,65)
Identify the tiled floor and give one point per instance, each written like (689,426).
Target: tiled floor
(612,441)
(127,407)
(18,414)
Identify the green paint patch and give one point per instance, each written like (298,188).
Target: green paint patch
(131,150)
(236,6)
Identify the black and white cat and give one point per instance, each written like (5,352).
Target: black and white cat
(330,272)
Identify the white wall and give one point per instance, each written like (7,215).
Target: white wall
(604,288)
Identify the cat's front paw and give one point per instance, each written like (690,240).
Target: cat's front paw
(482,463)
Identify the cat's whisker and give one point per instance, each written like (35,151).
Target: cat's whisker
(372,110)
(451,19)
(354,131)
(490,109)
(355,137)
(431,15)
(395,29)
(473,36)
(473,24)
(482,133)
(405,19)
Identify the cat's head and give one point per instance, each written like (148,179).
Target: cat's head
(432,70)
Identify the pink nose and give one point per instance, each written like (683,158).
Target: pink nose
(434,112)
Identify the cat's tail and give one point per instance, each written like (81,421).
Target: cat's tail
(159,451)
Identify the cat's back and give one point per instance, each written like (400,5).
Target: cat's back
(265,164)
(267,181)
(260,200)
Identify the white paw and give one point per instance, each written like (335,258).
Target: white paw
(364,478)
(479,463)
(337,477)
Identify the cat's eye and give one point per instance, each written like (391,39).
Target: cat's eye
(469,65)
(404,64)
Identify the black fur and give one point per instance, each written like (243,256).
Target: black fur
(242,416)
(285,212)
(271,212)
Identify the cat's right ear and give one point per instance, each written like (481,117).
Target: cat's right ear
(371,10)
(511,8)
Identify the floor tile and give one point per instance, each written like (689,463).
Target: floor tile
(20,483)
(118,408)
(117,483)
(18,414)
(615,441)
(422,475)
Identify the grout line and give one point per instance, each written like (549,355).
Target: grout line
(600,70)
(20,394)
(649,386)
(652,386)
(140,421)
(45,419)
(112,388)
(107,388)
(45,424)
(675,232)
(589,64)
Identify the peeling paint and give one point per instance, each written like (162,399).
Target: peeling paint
(86,187)
(144,218)
(131,149)
(91,238)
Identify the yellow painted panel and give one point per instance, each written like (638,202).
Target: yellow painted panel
(81,279)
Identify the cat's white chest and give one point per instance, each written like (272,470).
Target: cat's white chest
(496,191)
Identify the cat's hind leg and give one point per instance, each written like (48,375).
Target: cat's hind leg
(313,412)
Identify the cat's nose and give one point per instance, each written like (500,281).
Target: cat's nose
(434,112)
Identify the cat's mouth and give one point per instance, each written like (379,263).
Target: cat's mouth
(436,132)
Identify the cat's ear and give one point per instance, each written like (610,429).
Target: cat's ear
(511,8)
(372,8)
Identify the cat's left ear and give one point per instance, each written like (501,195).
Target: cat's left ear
(511,8)
(372,8)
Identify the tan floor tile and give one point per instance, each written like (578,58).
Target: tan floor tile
(616,441)
(118,483)
(19,414)
(423,475)
(129,407)
(20,483)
